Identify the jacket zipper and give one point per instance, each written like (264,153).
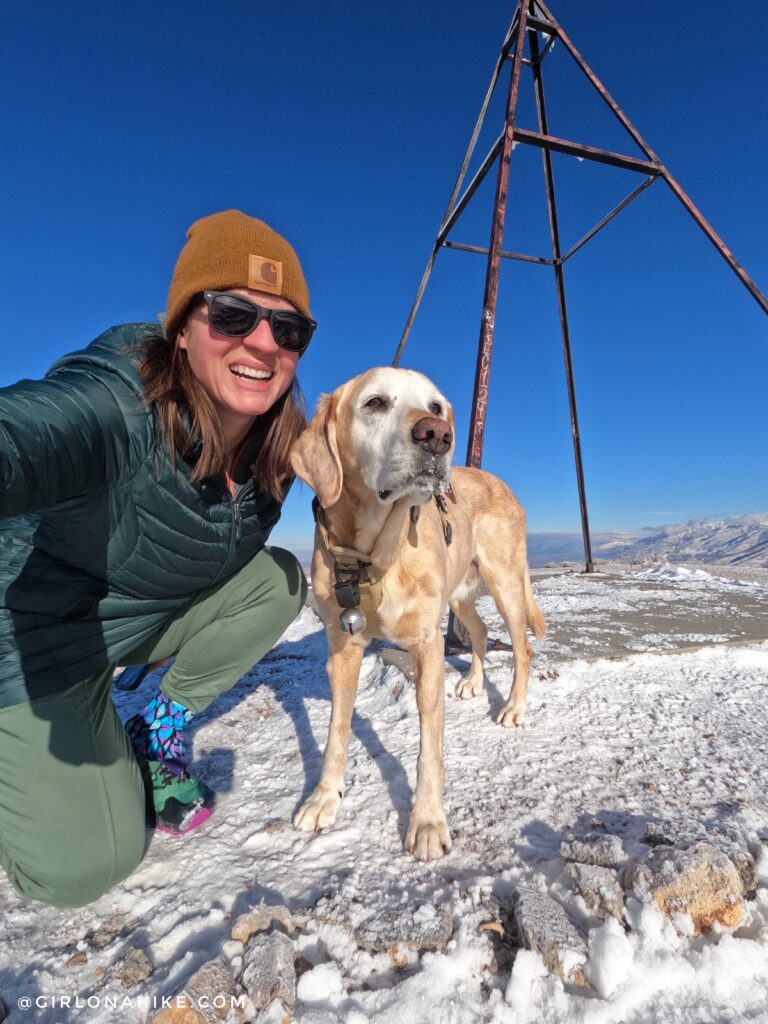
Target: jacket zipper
(238,518)
(237,514)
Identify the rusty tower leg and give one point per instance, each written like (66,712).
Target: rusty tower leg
(457,638)
(549,183)
(490,294)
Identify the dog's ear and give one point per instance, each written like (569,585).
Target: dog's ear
(315,456)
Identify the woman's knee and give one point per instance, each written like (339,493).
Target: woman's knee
(289,584)
(77,880)
(85,832)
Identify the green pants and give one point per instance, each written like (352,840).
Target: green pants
(71,795)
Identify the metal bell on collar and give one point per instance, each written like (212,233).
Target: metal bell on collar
(352,621)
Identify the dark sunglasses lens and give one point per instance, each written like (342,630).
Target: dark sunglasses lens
(233,316)
(291,331)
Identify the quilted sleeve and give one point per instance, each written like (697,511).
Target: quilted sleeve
(62,437)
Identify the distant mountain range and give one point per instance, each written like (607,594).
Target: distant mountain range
(738,540)
(544,548)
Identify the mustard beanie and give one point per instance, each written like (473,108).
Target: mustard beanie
(231,250)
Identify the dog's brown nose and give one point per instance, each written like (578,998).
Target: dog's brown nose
(433,435)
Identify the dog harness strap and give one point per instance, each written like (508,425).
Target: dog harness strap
(370,599)
(358,584)
(442,508)
(345,556)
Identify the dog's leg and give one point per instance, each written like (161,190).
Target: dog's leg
(510,600)
(472,683)
(343,666)
(428,836)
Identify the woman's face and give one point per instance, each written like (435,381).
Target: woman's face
(225,366)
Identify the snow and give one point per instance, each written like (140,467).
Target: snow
(610,957)
(695,577)
(323,984)
(527,970)
(619,729)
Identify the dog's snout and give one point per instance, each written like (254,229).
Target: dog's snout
(433,435)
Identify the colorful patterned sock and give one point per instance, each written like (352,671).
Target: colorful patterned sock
(157,733)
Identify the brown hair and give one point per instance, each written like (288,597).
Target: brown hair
(186,416)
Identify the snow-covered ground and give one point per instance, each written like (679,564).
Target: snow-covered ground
(646,736)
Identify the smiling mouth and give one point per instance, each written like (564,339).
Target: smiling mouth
(249,373)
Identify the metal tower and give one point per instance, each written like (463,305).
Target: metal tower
(530,18)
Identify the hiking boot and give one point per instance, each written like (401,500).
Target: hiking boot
(175,803)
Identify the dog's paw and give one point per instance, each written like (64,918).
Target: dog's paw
(428,838)
(319,811)
(511,715)
(467,688)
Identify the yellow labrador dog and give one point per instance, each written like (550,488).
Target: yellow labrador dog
(376,453)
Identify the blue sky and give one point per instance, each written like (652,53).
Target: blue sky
(343,125)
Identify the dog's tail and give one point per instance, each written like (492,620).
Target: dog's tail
(535,619)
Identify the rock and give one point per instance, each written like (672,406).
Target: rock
(263,919)
(543,926)
(268,972)
(301,965)
(501,943)
(276,825)
(723,836)
(329,909)
(600,890)
(77,959)
(275,1013)
(180,1013)
(117,925)
(3,1011)
(673,833)
(209,997)
(699,883)
(603,850)
(742,860)
(136,967)
(213,981)
(428,927)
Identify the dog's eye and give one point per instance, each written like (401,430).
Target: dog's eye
(436,409)
(376,403)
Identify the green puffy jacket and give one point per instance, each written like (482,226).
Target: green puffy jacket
(100,541)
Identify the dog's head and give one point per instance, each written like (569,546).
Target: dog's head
(389,430)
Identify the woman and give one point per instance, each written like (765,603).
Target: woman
(142,477)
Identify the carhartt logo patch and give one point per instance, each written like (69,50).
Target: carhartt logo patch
(265,275)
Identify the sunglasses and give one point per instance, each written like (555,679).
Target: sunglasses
(236,317)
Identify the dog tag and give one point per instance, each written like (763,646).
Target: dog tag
(352,621)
